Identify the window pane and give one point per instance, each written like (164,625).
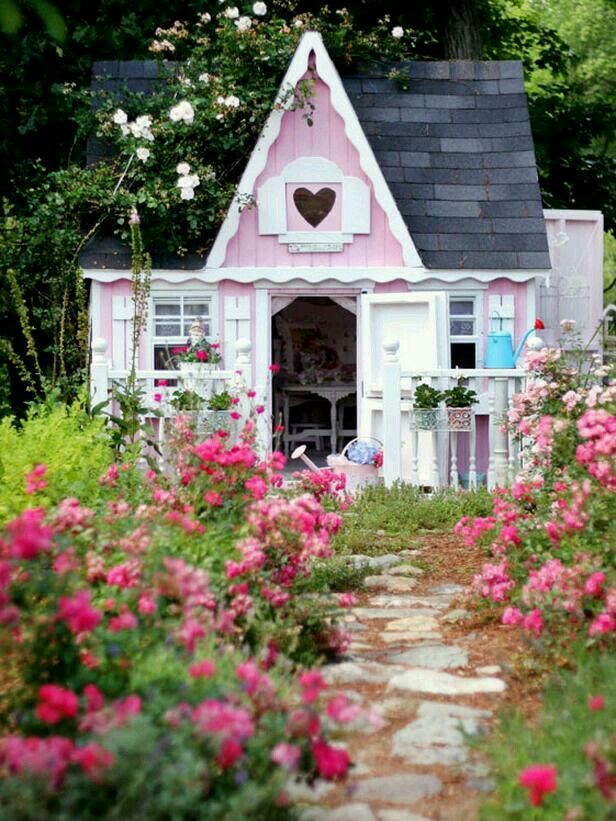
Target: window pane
(196,309)
(167,328)
(189,322)
(163,358)
(463,355)
(461,307)
(462,327)
(167,308)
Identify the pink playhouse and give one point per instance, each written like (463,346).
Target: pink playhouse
(386,241)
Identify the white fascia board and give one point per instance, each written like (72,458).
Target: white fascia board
(572,214)
(312,41)
(314,274)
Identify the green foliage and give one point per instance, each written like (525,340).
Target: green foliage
(560,736)
(427,397)
(383,520)
(460,396)
(72,445)
(220,401)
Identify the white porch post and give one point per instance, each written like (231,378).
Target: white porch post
(243,374)
(501,454)
(99,373)
(392,414)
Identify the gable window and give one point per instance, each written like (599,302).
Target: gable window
(172,317)
(463,331)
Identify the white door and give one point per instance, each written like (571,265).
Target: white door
(418,321)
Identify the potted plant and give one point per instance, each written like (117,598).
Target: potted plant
(186,400)
(425,406)
(459,401)
(196,362)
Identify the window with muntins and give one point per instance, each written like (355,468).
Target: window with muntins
(463,331)
(172,317)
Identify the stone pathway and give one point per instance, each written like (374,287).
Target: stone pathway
(429,694)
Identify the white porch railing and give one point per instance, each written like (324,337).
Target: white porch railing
(103,377)
(494,388)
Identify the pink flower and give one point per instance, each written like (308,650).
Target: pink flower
(596,703)
(125,621)
(235,415)
(538,779)
(251,394)
(158,397)
(332,762)
(594,584)
(256,486)
(604,623)
(312,683)
(229,752)
(214,716)
(347,600)
(202,669)
(78,614)
(512,616)
(201,356)
(342,710)
(94,698)
(286,755)
(533,622)
(260,409)
(124,575)
(213,498)
(274,368)
(35,481)
(28,535)
(56,703)
(93,760)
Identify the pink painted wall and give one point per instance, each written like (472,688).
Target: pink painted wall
(326,138)
(501,287)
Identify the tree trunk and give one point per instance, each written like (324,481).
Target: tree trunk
(460,29)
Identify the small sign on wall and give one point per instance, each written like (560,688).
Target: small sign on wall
(314,247)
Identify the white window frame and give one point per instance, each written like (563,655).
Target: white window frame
(477,338)
(209,295)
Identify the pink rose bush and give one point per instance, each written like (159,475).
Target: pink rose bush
(551,536)
(155,638)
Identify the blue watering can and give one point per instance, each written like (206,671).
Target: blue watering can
(499,347)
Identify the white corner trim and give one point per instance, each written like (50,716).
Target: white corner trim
(312,41)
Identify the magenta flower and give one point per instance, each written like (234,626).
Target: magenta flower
(539,780)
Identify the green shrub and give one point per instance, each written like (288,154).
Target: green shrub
(72,445)
(383,519)
(568,735)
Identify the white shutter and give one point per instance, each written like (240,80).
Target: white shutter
(121,315)
(272,206)
(355,206)
(236,325)
(502,313)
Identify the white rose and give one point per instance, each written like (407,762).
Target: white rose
(183,168)
(232,101)
(231,12)
(205,18)
(243,24)
(143,154)
(183,111)
(220,100)
(125,130)
(120,117)
(259,9)
(204,78)
(187,194)
(397,32)
(298,24)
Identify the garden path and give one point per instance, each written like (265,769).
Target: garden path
(434,674)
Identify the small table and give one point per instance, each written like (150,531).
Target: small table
(332,391)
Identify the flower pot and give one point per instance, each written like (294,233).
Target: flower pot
(197,377)
(426,418)
(459,418)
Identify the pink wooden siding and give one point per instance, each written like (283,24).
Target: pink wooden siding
(326,138)
(502,287)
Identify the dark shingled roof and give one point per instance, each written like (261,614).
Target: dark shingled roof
(454,143)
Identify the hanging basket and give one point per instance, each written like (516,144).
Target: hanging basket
(358,474)
(459,418)
(426,418)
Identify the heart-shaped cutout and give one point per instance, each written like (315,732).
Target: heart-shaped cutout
(314,207)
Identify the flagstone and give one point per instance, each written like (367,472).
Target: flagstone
(400,815)
(436,656)
(416,623)
(393,584)
(383,600)
(387,560)
(391,613)
(368,672)
(405,569)
(348,812)
(423,680)
(403,788)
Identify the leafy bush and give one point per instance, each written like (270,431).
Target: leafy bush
(72,446)
(144,684)
(574,735)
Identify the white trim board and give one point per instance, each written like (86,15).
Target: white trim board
(313,42)
(209,276)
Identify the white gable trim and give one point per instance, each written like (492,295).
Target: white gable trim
(312,41)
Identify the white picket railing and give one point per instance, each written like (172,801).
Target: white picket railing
(103,377)
(494,388)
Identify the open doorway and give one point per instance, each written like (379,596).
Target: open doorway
(314,343)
